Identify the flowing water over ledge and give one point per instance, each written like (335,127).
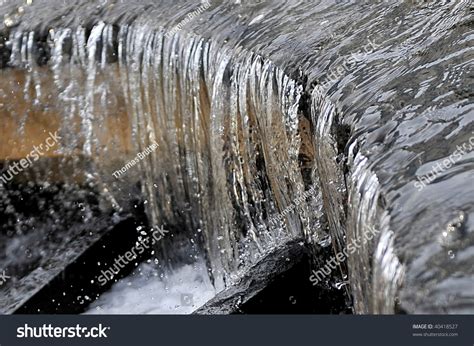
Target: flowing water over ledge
(252,105)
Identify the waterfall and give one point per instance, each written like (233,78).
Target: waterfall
(263,132)
(227,124)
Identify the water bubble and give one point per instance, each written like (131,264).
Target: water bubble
(454,232)
(339,285)
(9,22)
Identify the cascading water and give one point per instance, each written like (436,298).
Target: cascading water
(245,125)
(226,124)
(221,129)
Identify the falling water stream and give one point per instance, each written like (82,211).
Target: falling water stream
(252,105)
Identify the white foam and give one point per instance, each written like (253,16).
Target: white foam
(145,292)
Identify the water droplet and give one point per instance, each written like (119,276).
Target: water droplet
(454,232)
(339,285)
(8,22)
